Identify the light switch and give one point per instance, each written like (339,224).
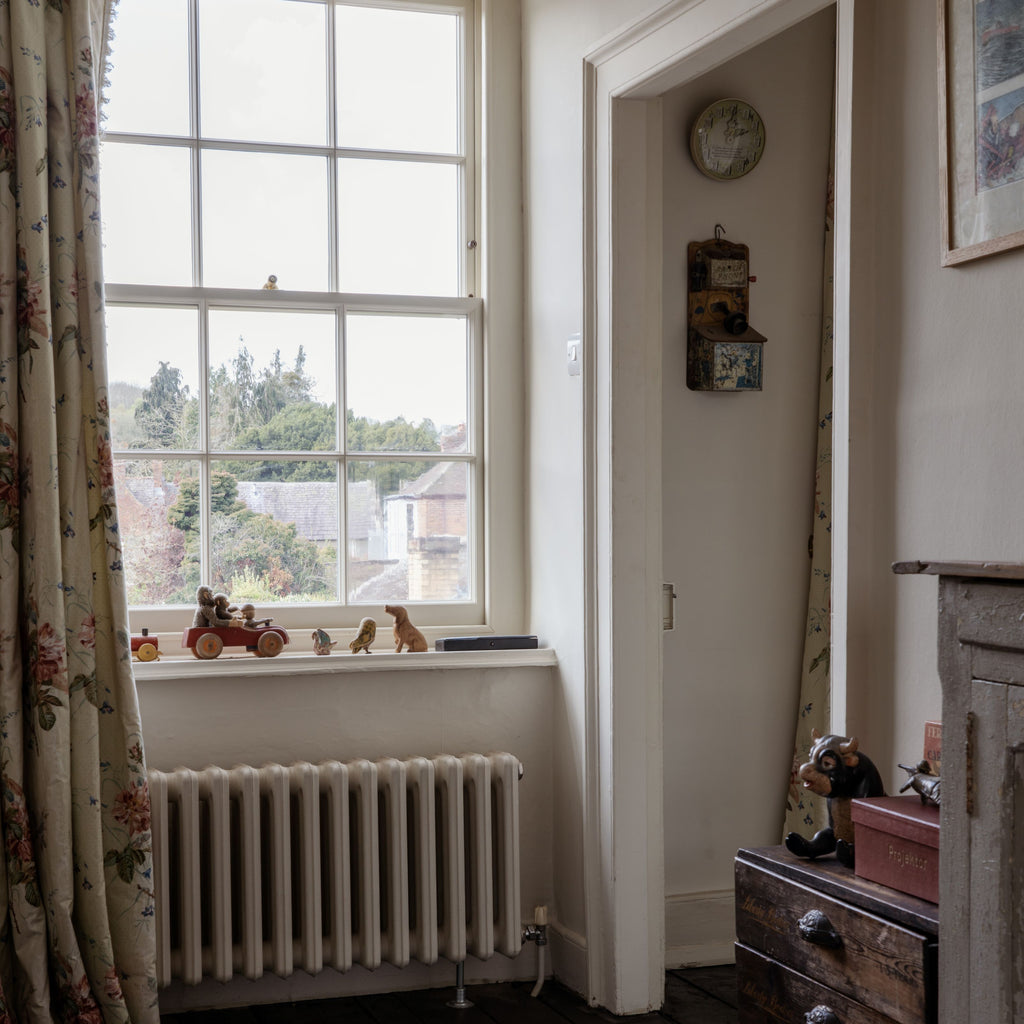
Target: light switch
(572,354)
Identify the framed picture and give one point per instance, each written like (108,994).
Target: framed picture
(981,103)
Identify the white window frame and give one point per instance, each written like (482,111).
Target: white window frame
(494,370)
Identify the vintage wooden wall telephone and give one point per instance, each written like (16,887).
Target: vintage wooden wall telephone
(723,352)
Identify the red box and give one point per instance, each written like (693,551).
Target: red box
(896,843)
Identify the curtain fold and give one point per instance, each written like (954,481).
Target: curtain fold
(76,901)
(806,813)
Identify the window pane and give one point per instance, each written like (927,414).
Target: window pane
(263,70)
(407,531)
(275,530)
(272,380)
(422,408)
(147,214)
(399,227)
(150,50)
(398,83)
(154,401)
(263,214)
(158,512)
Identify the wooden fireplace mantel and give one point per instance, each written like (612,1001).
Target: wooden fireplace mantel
(969,570)
(981,863)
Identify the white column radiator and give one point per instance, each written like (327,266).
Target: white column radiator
(335,864)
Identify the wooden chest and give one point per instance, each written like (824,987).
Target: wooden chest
(813,939)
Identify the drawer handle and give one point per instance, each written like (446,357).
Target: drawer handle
(817,928)
(821,1015)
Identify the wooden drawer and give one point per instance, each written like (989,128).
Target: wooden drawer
(769,991)
(875,962)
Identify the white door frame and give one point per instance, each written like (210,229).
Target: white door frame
(624,834)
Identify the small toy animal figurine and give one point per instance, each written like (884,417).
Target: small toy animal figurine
(206,612)
(322,642)
(926,785)
(224,610)
(271,284)
(406,634)
(365,636)
(835,770)
(247,612)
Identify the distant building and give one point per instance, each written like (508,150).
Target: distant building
(427,524)
(432,505)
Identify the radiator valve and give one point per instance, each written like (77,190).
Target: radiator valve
(538,931)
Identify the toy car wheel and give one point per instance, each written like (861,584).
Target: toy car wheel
(146,652)
(209,645)
(269,645)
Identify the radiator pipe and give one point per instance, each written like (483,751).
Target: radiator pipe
(460,1002)
(540,973)
(538,932)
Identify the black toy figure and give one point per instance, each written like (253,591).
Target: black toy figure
(835,770)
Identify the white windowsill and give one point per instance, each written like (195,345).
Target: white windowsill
(299,664)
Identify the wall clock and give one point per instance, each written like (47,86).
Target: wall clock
(727,139)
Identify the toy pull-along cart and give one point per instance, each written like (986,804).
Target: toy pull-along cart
(145,647)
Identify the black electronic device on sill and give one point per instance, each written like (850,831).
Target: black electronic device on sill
(485,643)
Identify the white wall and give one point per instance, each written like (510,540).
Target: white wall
(938,378)
(352,712)
(935,382)
(556,35)
(738,475)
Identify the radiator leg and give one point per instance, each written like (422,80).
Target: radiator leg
(460,1002)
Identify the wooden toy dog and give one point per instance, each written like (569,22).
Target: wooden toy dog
(406,634)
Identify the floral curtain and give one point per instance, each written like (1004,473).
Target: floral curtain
(77,934)
(806,813)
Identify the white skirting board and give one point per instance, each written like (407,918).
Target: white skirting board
(567,957)
(700,929)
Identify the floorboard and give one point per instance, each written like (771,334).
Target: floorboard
(319,1011)
(512,1004)
(705,995)
(687,1004)
(719,982)
(574,1010)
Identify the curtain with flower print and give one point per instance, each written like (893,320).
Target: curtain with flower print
(77,935)
(806,812)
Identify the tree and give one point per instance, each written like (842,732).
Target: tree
(250,546)
(160,414)
(154,550)
(243,398)
(397,435)
(301,427)
(183,514)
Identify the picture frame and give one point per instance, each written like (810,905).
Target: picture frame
(981,111)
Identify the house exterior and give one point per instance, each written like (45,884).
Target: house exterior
(630,843)
(427,525)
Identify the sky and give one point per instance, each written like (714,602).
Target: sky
(265,213)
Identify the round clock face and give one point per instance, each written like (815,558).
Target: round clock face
(727,140)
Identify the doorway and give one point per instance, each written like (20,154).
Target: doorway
(625,81)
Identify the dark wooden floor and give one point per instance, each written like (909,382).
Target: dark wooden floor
(703,995)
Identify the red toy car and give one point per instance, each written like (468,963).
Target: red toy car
(208,641)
